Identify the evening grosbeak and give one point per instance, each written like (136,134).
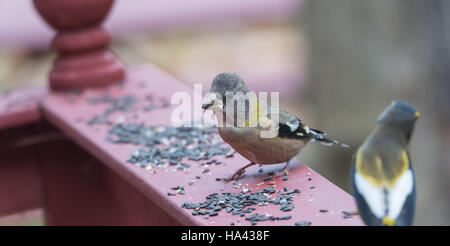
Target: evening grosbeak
(382,175)
(262,134)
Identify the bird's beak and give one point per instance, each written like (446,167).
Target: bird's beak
(206,106)
(417,114)
(209,101)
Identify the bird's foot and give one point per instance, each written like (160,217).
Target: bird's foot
(238,174)
(284,171)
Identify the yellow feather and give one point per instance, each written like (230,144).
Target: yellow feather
(379,174)
(255,117)
(364,168)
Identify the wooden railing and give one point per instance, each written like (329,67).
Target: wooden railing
(62,152)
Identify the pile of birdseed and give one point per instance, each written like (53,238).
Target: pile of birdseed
(242,203)
(168,145)
(162,144)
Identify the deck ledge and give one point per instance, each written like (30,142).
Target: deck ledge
(69,112)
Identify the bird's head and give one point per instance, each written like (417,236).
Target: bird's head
(222,85)
(401,116)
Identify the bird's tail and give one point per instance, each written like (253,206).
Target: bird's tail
(319,136)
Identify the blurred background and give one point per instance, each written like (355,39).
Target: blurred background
(337,65)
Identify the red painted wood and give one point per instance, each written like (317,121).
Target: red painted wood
(69,112)
(73,15)
(79,190)
(20,184)
(82,44)
(20,107)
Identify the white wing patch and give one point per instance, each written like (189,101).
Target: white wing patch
(374,196)
(399,192)
(293,125)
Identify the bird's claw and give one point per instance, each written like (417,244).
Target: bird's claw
(236,176)
(283,172)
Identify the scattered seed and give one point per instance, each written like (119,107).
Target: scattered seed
(287,217)
(178,187)
(349,212)
(303,223)
(123,104)
(347,216)
(285,178)
(267,178)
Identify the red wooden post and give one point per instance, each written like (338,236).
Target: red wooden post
(84,59)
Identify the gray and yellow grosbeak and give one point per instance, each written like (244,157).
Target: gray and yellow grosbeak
(382,175)
(287,133)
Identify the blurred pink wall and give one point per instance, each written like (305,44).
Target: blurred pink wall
(20,26)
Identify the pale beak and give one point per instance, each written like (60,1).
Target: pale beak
(206,106)
(209,101)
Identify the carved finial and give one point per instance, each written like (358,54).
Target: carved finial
(84,59)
